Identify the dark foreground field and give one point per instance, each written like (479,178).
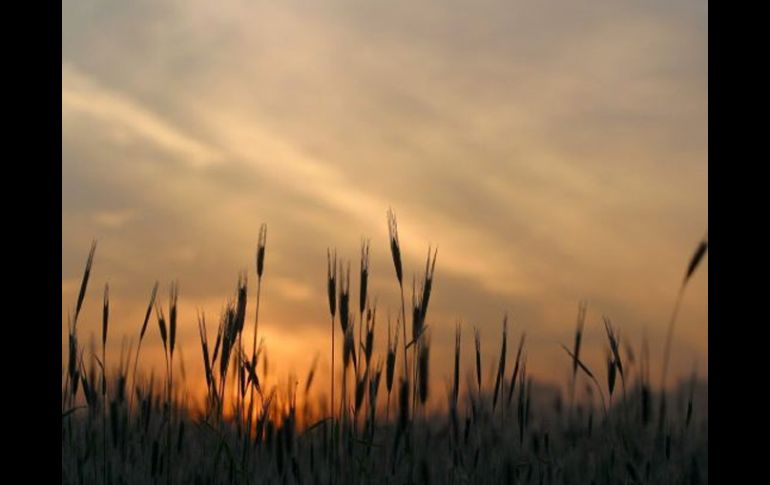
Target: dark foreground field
(536,444)
(128,428)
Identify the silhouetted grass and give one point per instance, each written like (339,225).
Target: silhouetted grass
(269,438)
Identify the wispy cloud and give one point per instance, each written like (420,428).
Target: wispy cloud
(82,96)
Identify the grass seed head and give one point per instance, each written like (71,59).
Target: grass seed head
(153,295)
(614,339)
(204,348)
(477,341)
(390,364)
(331,281)
(611,373)
(364,275)
(240,310)
(374,386)
(84,282)
(311,374)
(261,249)
(162,327)
(172,317)
(430,267)
(360,391)
(581,320)
(72,363)
(501,366)
(456,382)
(105,313)
(696,258)
(344,298)
(349,347)
(369,343)
(417,321)
(516,366)
(395,248)
(423,369)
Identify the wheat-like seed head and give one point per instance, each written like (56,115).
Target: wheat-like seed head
(395,247)
(84,283)
(516,366)
(582,307)
(697,256)
(456,382)
(331,281)
(501,365)
(172,317)
(422,370)
(262,241)
(105,313)
(153,295)
(344,298)
(391,357)
(162,326)
(477,342)
(364,273)
(611,372)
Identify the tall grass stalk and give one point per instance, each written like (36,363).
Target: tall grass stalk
(260,265)
(695,260)
(105,322)
(142,331)
(395,251)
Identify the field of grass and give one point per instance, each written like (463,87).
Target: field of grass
(121,427)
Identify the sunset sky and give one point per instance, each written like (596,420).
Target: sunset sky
(555,151)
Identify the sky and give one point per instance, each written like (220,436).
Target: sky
(554,151)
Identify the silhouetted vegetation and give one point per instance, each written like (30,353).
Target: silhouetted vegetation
(123,427)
